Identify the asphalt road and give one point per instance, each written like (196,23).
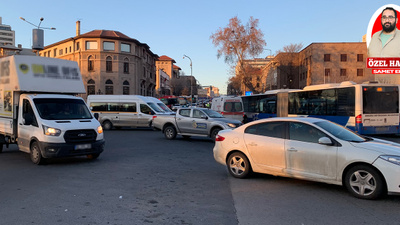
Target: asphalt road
(142,178)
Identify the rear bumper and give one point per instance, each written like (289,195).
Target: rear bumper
(56,150)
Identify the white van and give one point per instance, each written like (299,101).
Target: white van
(123,110)
(228,106)
(160,104)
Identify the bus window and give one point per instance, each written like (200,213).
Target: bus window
(380,99)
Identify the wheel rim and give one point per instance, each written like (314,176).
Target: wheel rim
(107,126)
(237,165)
(363,183)
(169,132)
(35,154)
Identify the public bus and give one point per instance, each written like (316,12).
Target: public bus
(368,108)
(269,104)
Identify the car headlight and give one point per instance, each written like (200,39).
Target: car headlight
(99,129)
(50,131)
(391,158)
(232,125)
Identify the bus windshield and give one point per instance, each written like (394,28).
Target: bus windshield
(378,99)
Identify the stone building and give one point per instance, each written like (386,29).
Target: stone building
(110,62)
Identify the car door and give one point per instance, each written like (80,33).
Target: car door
(266,145)
(128,115)
(184,121)
(199,122)
(145,115)
(27,126)
(305,157)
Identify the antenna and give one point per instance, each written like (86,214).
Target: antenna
(38,34)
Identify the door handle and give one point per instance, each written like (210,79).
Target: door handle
(292,150)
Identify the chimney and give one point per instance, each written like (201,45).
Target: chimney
(78,28)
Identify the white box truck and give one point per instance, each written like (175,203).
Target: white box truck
(39,112)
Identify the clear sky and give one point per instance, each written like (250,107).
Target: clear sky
(178,27)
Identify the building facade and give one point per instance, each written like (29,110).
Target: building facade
(165,66)
(110,62)
(7,35)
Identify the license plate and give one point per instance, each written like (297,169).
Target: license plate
(83,146)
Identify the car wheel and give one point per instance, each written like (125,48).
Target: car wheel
(107,125)
(36,155)
(238,165)
(170,132)
(214,133)
(93,156)
(364,182)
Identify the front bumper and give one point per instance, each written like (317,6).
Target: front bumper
(57,150)
(391,173)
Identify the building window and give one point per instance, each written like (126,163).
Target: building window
(91,88)
(108,46)
(108,64)
(125,88)
(60,52)
(360,72)
(70,49)
(91,45)
(343,57)
(144,71)
(126,66)
(90,63)
(342,72)
(327,72)
(66,50)
(327,57)
(55,52)
(360,58)
(109,87)
(125,47)
(45,54)
(48,53)
(77,46)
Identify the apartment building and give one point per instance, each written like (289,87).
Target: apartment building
(7,36)
(110,62)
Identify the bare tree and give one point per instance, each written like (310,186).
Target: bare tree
(292,48)
(238,42)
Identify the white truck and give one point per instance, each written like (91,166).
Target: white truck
(39,112)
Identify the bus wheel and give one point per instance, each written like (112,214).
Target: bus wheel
(36,155)
(107,125)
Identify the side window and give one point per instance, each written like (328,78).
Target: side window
(270,129)
(146,109)
(197,113)
(304,132)
(128,107)
(184,112)
(28,114)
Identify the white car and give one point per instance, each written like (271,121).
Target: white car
(312,149)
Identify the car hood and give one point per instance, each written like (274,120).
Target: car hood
(379,145)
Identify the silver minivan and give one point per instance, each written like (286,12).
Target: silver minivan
(123,110)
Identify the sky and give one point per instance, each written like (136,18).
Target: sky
(182,27)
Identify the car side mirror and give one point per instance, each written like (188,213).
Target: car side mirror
(203,117)
(96,116)
(325,141)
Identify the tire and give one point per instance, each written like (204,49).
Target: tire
(365,182)
(36,155)
(93,156)
(170,132)
(107,125)
(238,165)
(214,133)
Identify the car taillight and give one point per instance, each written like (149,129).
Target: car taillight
(359,119)
(219,138)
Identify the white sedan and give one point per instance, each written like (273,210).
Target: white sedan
(312,149)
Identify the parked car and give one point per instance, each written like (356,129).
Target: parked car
(193,122)
(312,149)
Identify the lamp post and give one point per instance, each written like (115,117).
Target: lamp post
(270,51)
(191,75)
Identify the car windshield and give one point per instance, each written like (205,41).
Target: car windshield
(340,132)
(62,109)
(154,107)
(212,113)
(164,107)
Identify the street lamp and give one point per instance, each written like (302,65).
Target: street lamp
(270,51)
(38,34)
(191,74)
